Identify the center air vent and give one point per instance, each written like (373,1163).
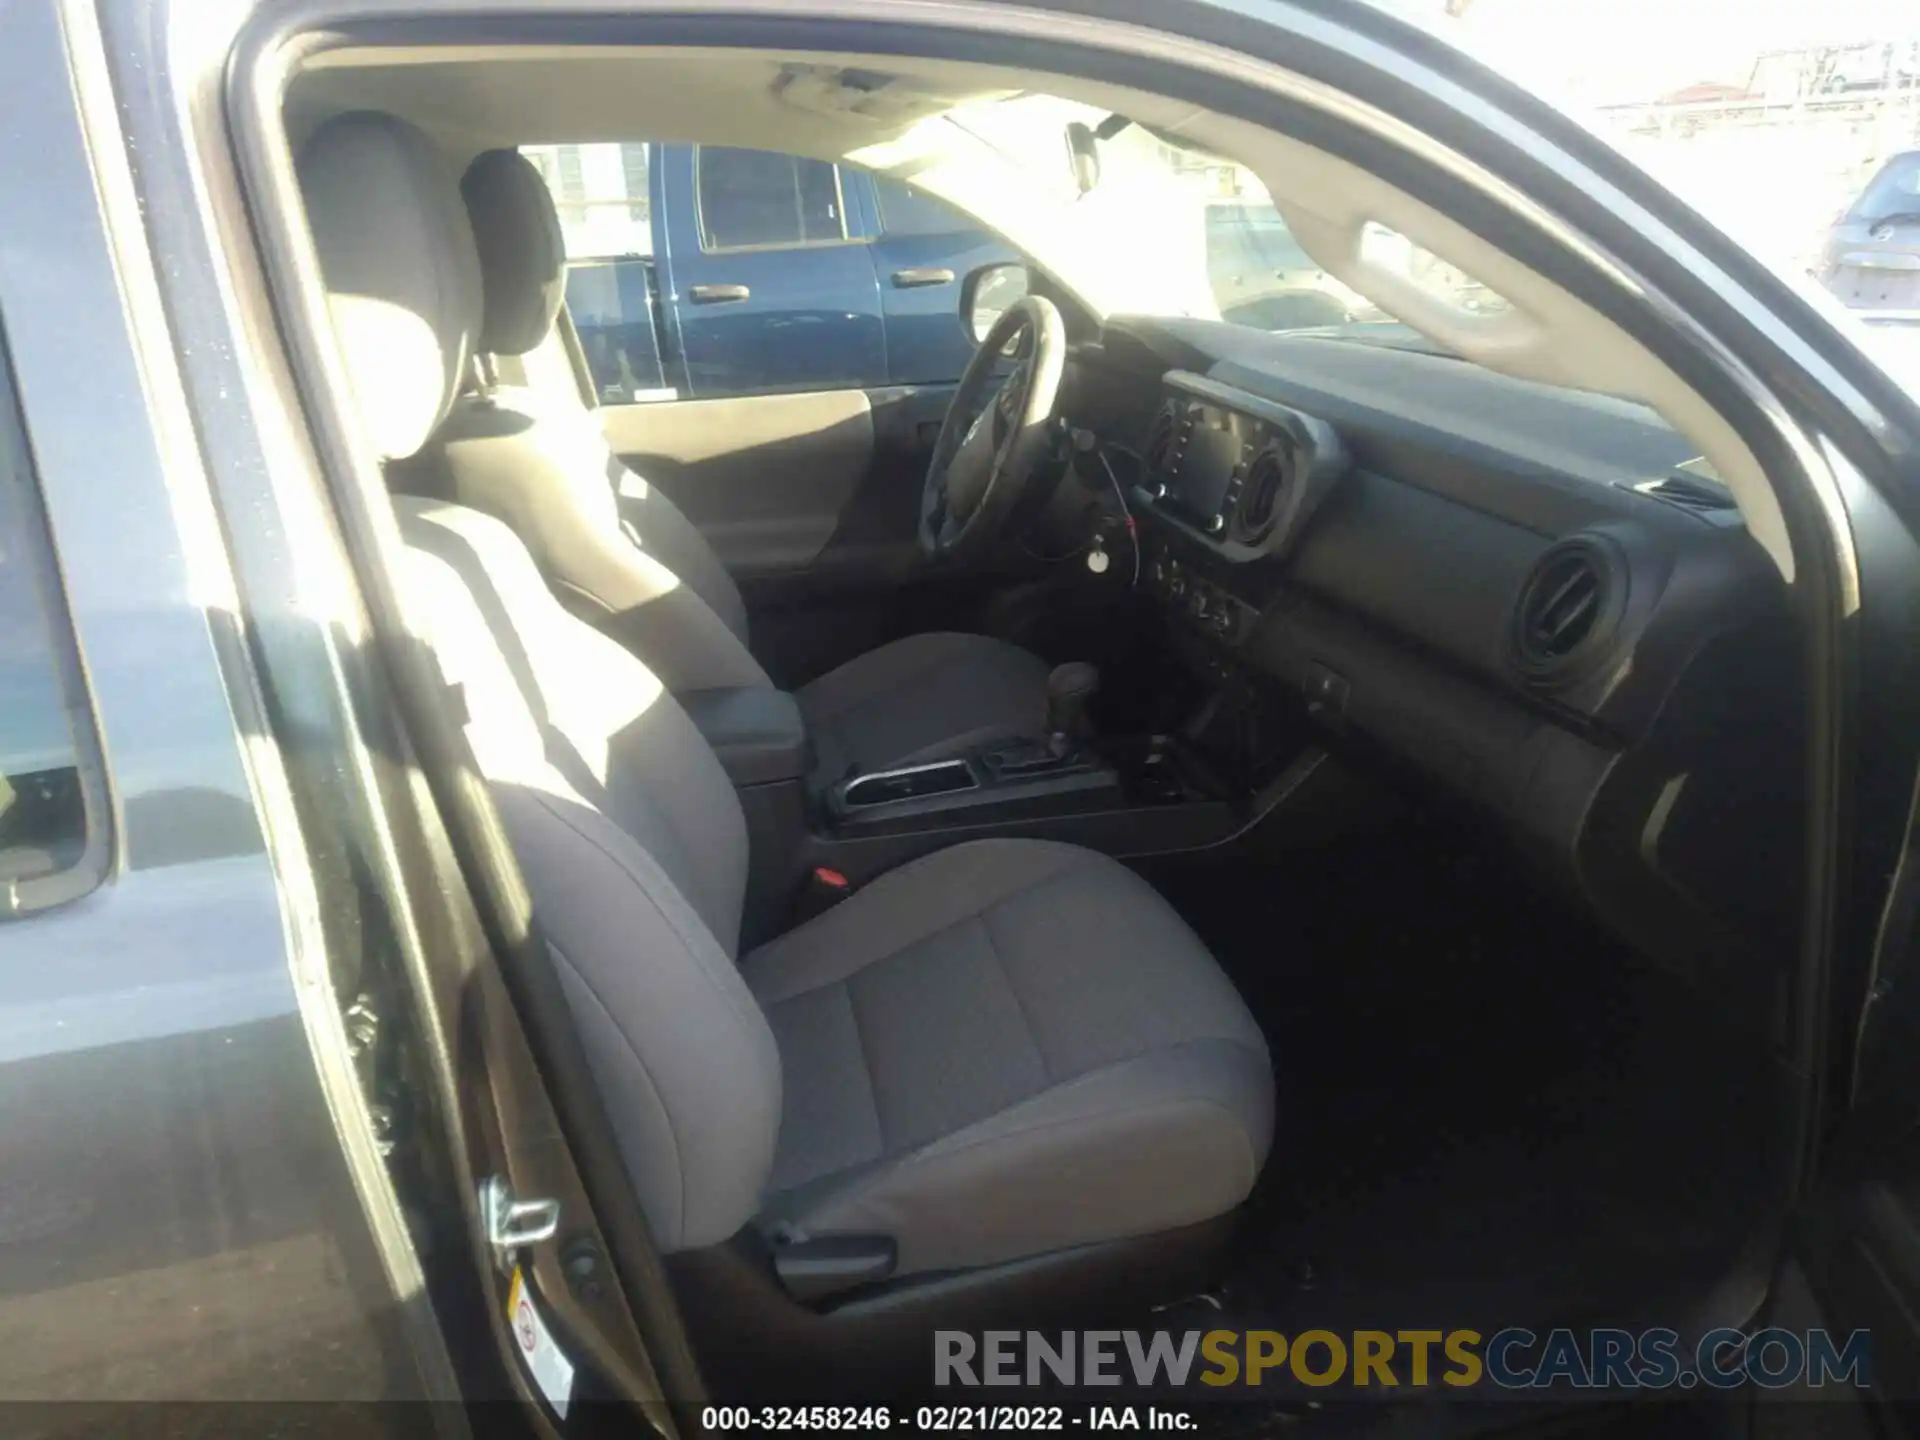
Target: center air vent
(1159,448)
(1266,478)
(1703,497)
(1568,609)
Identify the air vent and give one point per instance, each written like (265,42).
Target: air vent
(1266,478)
(1567,611)
(1159,448)
(1703,497)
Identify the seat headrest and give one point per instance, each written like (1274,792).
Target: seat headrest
(523,256)
(403,281)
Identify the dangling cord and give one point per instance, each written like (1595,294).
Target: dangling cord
(1133,529)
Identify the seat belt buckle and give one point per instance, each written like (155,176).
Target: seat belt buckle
(823,889)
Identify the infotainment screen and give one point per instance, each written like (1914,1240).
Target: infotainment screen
(1206,465)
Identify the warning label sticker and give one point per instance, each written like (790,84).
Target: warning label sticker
(552,1372)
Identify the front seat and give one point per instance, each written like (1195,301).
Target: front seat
(624,556)
(1007,1051)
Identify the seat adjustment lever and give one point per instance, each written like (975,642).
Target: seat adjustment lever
(827,1264)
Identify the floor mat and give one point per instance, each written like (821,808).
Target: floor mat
(1489,1114)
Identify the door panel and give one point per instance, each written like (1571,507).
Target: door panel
(766,478)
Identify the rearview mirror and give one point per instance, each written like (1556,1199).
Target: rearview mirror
(1083,153)
(988,294)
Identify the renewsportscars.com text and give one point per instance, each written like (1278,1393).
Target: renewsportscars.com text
(1510,1359)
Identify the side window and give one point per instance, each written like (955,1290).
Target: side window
(907,210)
(755,200)
(611,302)
(52,818)
(604,197)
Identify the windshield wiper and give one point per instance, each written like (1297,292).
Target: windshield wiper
(1895,217)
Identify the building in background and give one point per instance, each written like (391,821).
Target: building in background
(601,192)
(1768,116)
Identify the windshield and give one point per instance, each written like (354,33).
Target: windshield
(1895,191)
(1137,225)
(1793,127)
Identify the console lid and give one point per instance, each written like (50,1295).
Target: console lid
(757,732)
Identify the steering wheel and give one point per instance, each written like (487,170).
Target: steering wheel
(984,462)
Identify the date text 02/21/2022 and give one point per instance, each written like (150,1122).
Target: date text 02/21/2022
(938,1419)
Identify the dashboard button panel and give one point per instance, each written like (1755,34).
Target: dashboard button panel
(1198,602)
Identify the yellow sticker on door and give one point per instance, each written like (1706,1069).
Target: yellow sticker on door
(552,1372)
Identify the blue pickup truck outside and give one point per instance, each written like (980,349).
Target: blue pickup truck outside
(775,272)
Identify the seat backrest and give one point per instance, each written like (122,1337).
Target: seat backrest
(627,830)
(615,549)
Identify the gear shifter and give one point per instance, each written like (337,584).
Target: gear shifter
(1069,688)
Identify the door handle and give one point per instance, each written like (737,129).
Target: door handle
(915,279)
(717,294)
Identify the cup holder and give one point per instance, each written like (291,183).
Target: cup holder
(890,787)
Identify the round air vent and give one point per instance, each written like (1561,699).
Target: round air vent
(1159,447)
(1568,610)
(1266,479)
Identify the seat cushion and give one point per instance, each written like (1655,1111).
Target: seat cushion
(1006,1048)
(922,698)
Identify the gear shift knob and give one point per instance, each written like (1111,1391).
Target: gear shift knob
(1069,688)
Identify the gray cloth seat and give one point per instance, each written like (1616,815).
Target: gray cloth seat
(622,555)
(1003,1049)
(1006,1048)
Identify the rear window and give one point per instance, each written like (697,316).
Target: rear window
(52,832)
(754,199)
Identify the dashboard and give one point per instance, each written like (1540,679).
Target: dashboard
(1534,600)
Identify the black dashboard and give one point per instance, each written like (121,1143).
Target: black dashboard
(1533,598)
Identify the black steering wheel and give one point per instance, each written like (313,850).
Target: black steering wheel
(988,454)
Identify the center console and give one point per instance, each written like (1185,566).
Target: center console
(1010,779)
(1016,776)
(1123,797)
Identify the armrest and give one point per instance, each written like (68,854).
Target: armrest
(757,731)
